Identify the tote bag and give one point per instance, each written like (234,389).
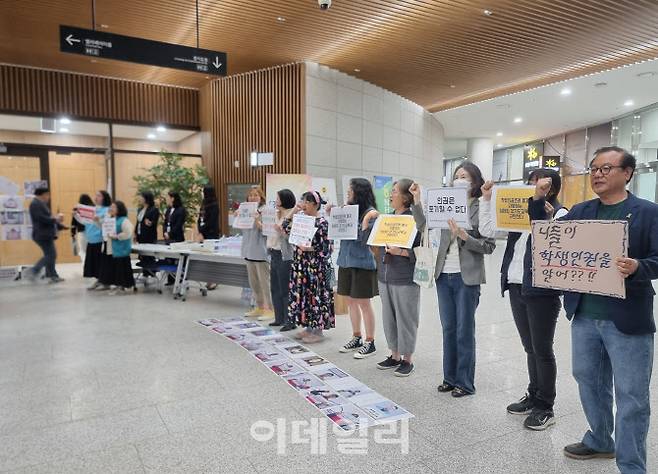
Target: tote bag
(425,262)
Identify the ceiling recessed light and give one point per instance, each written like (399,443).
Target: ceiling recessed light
(104,26)
(357,70)
(161,129)
(488,12)
(518,120)
(499,134)
(600,84)
(150,136)
(63,130)
(503,106)
(499,145)
(280,19)
(94,61)
(452,86)
(565,91)
(646,74)
(64,120)
(629,103)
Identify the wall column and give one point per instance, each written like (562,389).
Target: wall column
(480,152)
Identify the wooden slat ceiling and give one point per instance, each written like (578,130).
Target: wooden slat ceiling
(438,53)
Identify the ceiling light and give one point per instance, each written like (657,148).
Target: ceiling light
(565,91)
(646,74)
(518,120)
(452,86)
(503,106)
(629,103)
(357,70)
(64,120)
(600,84)
(280,19)
(488,12)
(161,129)
(104,26)
(499,134)
(63,130)
(150,136)
(499,145)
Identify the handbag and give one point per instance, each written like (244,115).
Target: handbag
(425,262)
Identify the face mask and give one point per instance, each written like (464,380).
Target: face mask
(461,183)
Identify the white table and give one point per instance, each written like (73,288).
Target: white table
(210,267)
(160,252)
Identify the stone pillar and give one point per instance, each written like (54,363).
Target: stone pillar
(480,152)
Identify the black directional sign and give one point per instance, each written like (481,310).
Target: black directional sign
(103,45)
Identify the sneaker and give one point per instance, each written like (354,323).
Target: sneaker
(103,287)
(459,392)
(94,286)
(113,291)
(388,363)
(522,407)
(366,350)
(582,452)
(355,343)
(299,335)
(254,312)
(275,324)
(445,387)
(404,369)
(288,327)
(312,338)
(539,420)
(56,279)
(266,315)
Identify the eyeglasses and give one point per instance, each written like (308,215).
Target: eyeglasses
(605,169)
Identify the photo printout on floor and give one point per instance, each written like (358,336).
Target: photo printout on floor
(579,256)
(245,215)
(344,223)
(444,204)
(343,399)
(302,230)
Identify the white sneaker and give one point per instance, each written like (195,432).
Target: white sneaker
(94,286)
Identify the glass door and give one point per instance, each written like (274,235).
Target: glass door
(644,183)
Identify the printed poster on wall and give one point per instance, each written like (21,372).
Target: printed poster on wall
(444,204)
(7,186)
(579,256)
(383,187)
(510,207)
(344,223)
(394,231)
(245,215)
(327,189)
(297,183)
(11,203)
(30,186)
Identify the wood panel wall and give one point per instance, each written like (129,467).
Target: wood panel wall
(264,111)
(40,91)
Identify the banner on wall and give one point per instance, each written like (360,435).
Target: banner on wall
(327,189)
(510,207)
(383,186)
(444,204)
(30,186)
(579,256)
(297,183)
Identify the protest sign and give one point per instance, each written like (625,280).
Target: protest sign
(510,207)
(393,230)
(109,227)
(579,256)
(85,214)
(268,220)
(302,230)
(245,215)
(344,223)
(444,204)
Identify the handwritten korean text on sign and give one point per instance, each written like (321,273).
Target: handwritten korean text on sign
(444,204)
(579,256)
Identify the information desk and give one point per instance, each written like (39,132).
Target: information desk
(199,266)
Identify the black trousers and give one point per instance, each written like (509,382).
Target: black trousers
(48,259)
(279,285)
(536,318)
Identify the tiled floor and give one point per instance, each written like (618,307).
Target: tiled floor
(94,383)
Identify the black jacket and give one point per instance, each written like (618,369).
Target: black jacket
(208,222)
(148,234)
(44,225)
(174,224)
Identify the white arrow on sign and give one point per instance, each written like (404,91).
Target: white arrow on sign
(216,63)
(70,40)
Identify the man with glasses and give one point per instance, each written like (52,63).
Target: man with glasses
(612,339)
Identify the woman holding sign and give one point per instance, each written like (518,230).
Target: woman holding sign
(119,245)
(535,310)
(399,294)
(78,228)
(459,272)
(254,251)
(94,258)
(311,293)
(357,272)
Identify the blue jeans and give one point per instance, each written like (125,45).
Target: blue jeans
(601,354)
(457,305)
(48,259)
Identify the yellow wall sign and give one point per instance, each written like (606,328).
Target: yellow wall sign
(511,207)
(394,231)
